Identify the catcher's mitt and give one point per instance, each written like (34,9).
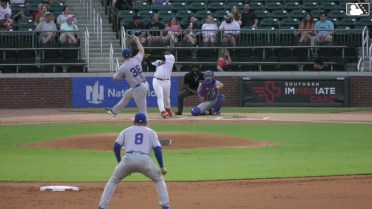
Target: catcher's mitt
(212,93)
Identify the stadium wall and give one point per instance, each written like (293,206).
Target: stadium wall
(55,90)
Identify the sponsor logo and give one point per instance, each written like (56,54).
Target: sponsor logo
(94,94)
(268,92)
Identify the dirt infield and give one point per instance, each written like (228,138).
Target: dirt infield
(309,193)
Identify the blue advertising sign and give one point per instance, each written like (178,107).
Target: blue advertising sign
(104,92)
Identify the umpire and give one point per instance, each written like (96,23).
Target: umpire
(191,82)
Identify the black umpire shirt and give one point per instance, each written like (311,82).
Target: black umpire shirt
(248,19)
(193,79)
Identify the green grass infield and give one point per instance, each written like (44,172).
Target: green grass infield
(301,150)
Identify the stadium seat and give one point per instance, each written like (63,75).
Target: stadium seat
(8,69)
(26,56)
(271,6)
(308,67)
(270,22)
(328,6)
(207,55)
(181,14)
(288,67)
(335,21)
(29,69)
(244,54)
(280,14)
(51,56)
(220,14)
(291,22)
(348,21)
(179,6)
(282,52)
(195,6)
(160,6)
(292,6)
(365,21)
(262,14)
(145,13)
(137,6)
(256,6)
(302,54)
(239,4)
(309,6)
(213,6)
(167,14)
(249,68)
(338,67)
(299,14)
(10,56)
(269,67)
(337,13)
(202,14)
(183,54)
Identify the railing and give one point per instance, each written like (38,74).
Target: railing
(370,57)
(86,46)
(365,49)
(87,4)
(97,26)
(123,38)
(111,58)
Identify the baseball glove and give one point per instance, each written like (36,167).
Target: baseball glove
(212,93)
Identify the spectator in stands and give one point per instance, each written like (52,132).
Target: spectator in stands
(117,6)
(173,31)
(209,30)
(191,82)
(191,32)
(249,18)
(154,32)
(306,23)
(236,15)
(231,29)
(47,28)
(69,26)
(24,13)
(40,14)
(7,23)
(224,60)
(62,18)
(4,9)
(323,30)
(319,65)
(136,28)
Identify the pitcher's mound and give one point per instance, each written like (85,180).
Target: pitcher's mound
(180,140)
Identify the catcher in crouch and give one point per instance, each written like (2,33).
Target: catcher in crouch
(208,91)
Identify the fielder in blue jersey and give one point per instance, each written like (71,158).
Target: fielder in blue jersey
(209,92)
(138,141)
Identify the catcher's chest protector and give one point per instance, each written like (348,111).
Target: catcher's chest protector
(207,87)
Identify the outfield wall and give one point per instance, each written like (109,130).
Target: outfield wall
(56,90)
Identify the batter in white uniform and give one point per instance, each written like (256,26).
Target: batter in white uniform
(131,71)
(138,140)
(162,83)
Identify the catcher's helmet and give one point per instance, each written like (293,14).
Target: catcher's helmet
(208,75)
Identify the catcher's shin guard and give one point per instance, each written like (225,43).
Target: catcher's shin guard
(195,111)
(220,100)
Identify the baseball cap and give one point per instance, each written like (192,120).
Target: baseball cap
(228,15)
(69,16)
(47,13)
(140,118)
(136,17)
(126,52)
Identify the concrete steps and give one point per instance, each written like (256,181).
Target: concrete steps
(98,61)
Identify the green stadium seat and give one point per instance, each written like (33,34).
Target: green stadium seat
(292,6)
(348,21)
(365,21)
(335,21)
(239,4)
(291,22)
(195,6)
(166,14)
(309,6)
(161,6)
(184,14)
(179,6)
(280,14)
(337,13)
(262,13)
(271,6)
(203,13)
(214,6)
(137,6)
(145,13)
(257,6)
(270,22)
(299,14)
(220,14)
(328,6)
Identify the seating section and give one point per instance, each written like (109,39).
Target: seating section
(20,50)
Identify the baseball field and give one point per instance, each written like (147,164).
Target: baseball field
(259,158)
